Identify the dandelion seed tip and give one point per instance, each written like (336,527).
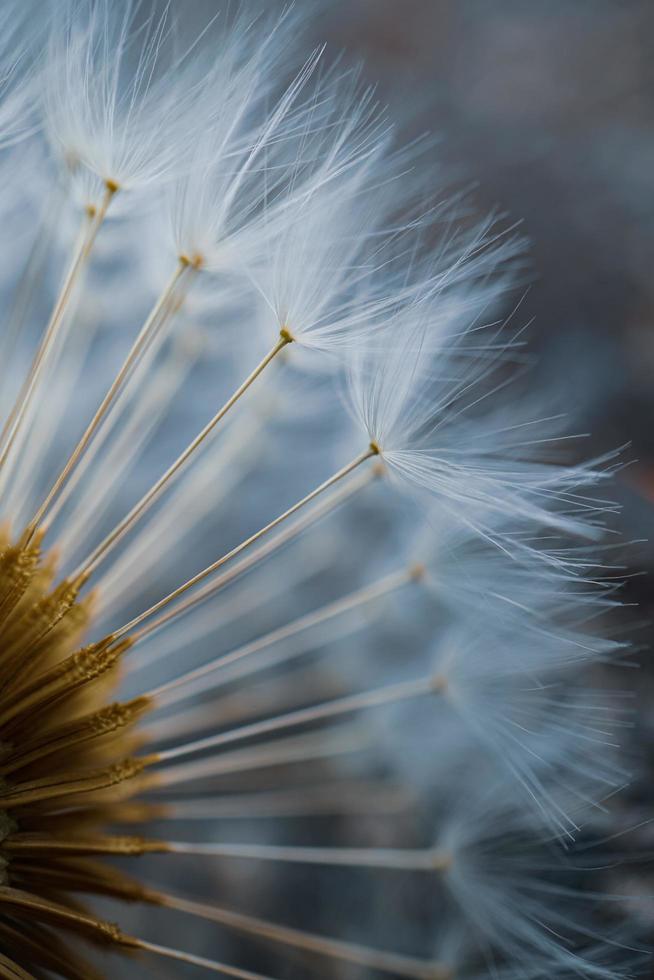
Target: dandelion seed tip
(374,449)
(286,335)
(151,896)
(417,571)
(195,261)
(112,185)
(91,211)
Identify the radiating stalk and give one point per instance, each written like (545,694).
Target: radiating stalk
(90,227)
(348,490)
(144,504)
(396,964)
(283,752)
(326,800)
(355,600)
(191,959)
(152,324)
(405,690)
(27,286)
(210,569)
(383,858)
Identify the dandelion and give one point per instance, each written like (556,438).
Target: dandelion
(221,609)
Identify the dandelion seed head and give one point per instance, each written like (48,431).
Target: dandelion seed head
(331,654)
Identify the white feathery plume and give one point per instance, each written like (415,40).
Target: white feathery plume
(276,202)
(520,909)
(522,699)
(422,398)
(121,101)
(559,592)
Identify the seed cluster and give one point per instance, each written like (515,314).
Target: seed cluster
(68,769)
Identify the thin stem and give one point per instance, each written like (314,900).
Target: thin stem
(86,240)
(341,474)
(152,325)
(160,385)
(375,959)
(384,858)
(274,695)
(46,340)
(186,508)
(340,607)
(258,555)
(283,752)
(328,800)
(213,965)
(155,491)
(403,691)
